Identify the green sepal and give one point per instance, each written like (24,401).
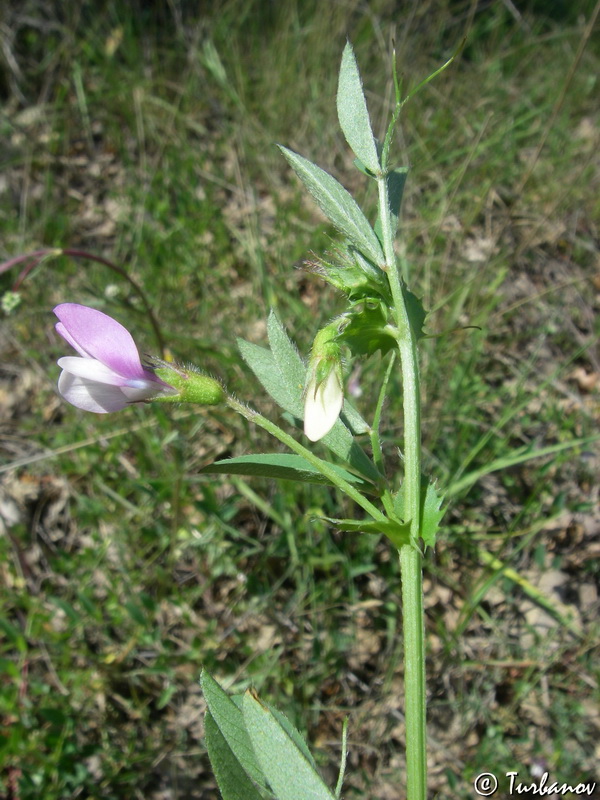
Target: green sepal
(397,532)
(192,386)
(325,356)
(349,271)
(378,279)
(367,330)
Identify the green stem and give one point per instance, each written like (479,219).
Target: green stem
(323,466)
(410,555)
(386,498)
(414,673)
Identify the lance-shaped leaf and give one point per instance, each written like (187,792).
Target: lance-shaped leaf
(338,204)
(263,364)
(288,360)
(290,773)
(353,114)
(281,466)
(234,783)
(230,721)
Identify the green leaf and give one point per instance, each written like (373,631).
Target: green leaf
(338,204)
(289,772)
(353,113)
(341,442)
(234,783)
(263,364)
(282,466)
(353,419)
(397,532)
(230,721)
(293,733)
(362,168)
(288,360)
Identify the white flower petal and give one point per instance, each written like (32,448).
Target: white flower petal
(91,370)
(100,398)
(322,407)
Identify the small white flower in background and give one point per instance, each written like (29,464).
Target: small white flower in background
(324,394)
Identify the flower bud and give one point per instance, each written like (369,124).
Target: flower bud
(324,395)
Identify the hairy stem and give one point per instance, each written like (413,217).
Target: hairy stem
(410,555)
(322,466)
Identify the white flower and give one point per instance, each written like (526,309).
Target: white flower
(322,404)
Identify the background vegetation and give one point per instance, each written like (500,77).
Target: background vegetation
(144,132)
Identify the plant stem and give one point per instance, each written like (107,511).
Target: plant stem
(410,554)
(414,673)
(322,466)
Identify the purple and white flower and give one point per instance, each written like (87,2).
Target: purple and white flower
(108,374)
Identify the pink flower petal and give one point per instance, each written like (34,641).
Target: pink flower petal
(60,328)
(96,335)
